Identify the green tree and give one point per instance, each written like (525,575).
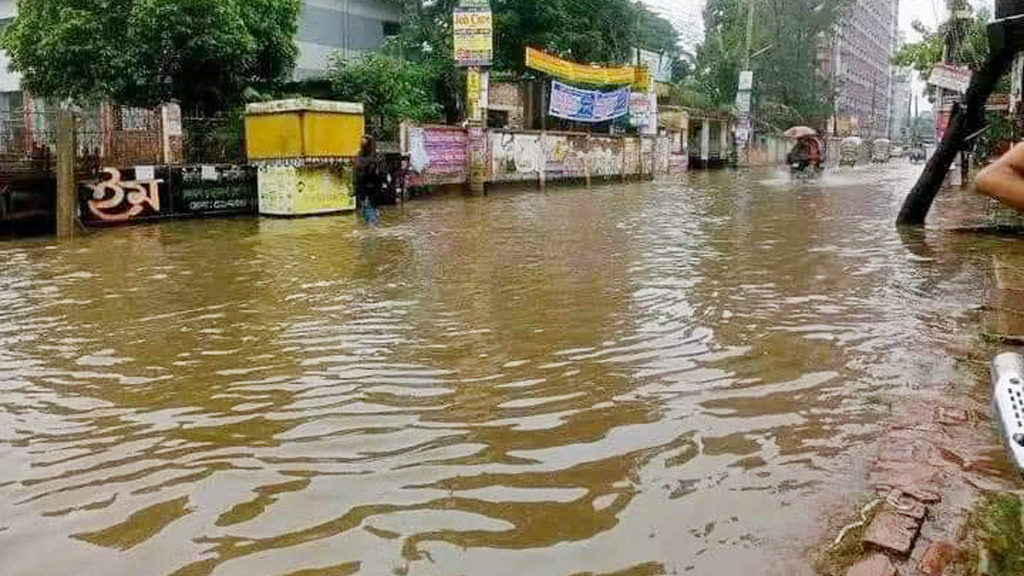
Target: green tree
(786,74)
(923,55)
(600,31)
(391,89)
(201,53)
(718,58)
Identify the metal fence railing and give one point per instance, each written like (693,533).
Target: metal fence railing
(117,136)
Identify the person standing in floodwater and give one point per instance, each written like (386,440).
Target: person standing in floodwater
(368,181)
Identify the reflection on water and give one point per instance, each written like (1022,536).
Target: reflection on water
(635,380)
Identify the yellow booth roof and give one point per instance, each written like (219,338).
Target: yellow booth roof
(303,129)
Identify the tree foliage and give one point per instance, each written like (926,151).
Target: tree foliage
(201,53)
(391,89)
(786,74)
(971,48)
(598,31)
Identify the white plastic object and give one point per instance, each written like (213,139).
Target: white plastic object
(1008,398)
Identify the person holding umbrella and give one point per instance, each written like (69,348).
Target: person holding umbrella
(806,153)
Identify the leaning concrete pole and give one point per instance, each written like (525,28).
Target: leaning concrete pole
(66,187)
(1004,35)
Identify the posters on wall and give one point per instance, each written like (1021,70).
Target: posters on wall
(305,190)
(437,150)
(587,105)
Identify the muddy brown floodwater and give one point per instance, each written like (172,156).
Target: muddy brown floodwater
(670,377)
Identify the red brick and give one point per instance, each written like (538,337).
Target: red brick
(874,565)
(936,557)
(952,416)
(892,531)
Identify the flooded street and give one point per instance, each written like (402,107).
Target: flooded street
(671,377)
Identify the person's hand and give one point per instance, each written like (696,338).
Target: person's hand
(1004,179)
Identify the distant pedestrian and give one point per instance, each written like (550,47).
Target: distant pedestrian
(368,181)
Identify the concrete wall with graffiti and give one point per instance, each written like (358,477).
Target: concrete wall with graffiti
(521,156)
(140,193)
(438,155)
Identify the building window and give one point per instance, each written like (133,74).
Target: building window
(392,28)
(497,119)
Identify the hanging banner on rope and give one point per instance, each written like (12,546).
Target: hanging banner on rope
(587,105)
(588,74)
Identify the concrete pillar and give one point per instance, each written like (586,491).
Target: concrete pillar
(705,140)
(171,134)
(66,185)
(28,115)
(723,138)
(587,145)
(476,154)
(106,122)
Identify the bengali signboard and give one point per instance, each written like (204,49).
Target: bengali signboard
(473,36)
(587,105)
(139,193)
(124,195)
(213,189)
(955,78)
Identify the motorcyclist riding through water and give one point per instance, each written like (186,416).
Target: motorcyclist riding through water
(805,154)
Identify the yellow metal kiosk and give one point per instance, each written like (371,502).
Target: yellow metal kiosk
(304,150)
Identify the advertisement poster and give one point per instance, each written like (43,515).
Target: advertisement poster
(587,105)
(474,37)
(437,150)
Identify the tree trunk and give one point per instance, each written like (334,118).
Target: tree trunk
(964,121)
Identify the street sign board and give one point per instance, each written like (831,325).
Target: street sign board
(746,80)
(950,77)
(473,37)
(743,102)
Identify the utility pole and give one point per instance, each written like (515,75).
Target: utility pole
(639,11)
(958,10)
(473,40)
(874,99)
(744,130)
(66,189)
(750,33)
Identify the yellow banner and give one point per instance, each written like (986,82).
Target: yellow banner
(588,74)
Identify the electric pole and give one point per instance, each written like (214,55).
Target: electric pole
(744,130)
(958,11)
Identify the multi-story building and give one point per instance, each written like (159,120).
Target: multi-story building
(855,61)
(342,27)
